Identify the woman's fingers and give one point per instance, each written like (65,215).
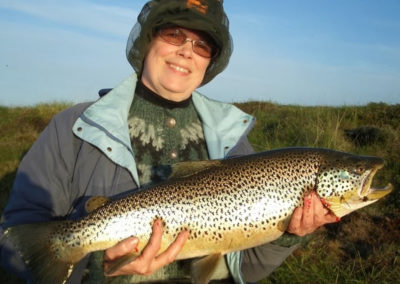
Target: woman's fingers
(148,261)
(311,216)
(122,248)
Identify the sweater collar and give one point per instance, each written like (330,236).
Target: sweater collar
(150,96)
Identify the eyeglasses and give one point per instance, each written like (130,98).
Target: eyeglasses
(177,37)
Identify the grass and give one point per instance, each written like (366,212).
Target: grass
(363,248)
(19,128)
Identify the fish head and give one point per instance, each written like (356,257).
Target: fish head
(345,182)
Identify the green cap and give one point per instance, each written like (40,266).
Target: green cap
(202,15)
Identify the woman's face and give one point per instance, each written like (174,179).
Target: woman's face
(172,71)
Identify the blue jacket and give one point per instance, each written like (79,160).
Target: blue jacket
(64,168)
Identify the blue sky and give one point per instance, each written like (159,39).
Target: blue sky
(319,52)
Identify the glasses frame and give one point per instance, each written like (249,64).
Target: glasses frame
(214,50)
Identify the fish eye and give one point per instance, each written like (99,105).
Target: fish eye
(359,170)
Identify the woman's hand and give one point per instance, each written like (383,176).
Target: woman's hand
(311,216)
(149,261)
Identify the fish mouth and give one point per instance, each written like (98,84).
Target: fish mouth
(359,197)
(378,193)
(351,201)
(367,192)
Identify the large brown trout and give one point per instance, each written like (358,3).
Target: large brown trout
(227,205)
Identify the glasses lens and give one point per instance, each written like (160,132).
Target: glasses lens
(202,48)
(176,37)
(173,36)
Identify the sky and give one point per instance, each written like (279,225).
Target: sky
(309,52)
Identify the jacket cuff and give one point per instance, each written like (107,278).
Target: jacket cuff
(234,263)
(288,240)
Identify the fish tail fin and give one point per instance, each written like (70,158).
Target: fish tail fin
(35,245)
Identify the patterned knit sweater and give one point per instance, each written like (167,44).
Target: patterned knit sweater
(162,133)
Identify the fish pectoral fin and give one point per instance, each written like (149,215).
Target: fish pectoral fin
(339,210)
(120,262)
(283,224)
(95,202)
(184,169)
(202,270)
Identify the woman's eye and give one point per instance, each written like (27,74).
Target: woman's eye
(203,45)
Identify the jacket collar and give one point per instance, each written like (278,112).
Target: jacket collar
(110,112)
(105,123)
(223,124)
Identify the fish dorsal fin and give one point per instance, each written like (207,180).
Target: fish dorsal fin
(184,169)
(95,202)
(203,270)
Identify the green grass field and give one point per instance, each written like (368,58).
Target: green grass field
(363,248)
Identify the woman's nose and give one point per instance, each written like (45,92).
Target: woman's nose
(186,49)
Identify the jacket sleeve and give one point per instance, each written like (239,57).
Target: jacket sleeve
(41,190)
(257,263)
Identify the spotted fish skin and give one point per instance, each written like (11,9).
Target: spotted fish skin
(227,205)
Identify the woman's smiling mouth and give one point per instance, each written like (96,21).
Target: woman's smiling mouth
(178,68)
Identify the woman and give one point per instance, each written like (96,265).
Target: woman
(130,136)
